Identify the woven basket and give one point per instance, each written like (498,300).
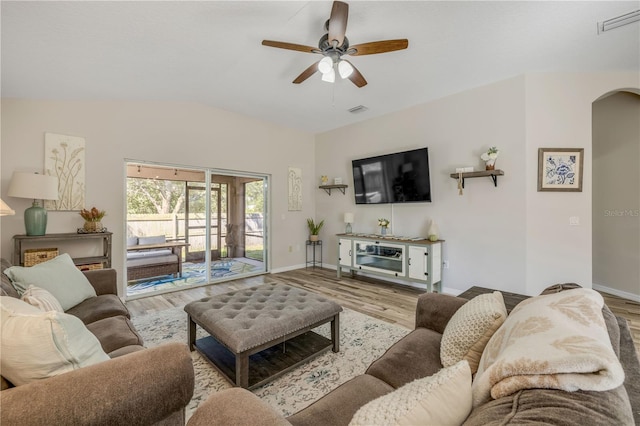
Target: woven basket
(35,256)
(90,266)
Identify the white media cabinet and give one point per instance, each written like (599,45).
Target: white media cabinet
(417,261)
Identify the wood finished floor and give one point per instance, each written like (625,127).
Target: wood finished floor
(387,301)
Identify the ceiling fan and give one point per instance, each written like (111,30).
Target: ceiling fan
(334,44)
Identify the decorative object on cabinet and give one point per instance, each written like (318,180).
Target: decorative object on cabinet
(314,229)
(328,188)
(64,160)
(560,169)
(433,231)
(348,219)
(490,157)
(103,258)
(92,219)
(37,187)
(295,189)
(383,224)
(5,210)
(493,174)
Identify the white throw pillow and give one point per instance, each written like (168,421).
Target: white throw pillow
(59,276)
(41,299)
(442,399)
(470,328)
(36,345)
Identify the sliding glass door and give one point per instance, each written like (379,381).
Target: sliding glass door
(211,227)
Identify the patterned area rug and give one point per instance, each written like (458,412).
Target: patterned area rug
(194,273)
(362,340)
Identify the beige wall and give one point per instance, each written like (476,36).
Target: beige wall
(166,132)
(484,228)
(616,194)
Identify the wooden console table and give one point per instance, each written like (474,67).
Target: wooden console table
(71,237)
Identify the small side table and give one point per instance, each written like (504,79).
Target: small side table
(312,246)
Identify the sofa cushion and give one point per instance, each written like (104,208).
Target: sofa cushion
(555,407)
(420,350)
(156,239)
(56,343)
(132,241)
(115,333)
(41,299)
(426,401)
(99,307)
(339,406)
(470,328)
(59,276)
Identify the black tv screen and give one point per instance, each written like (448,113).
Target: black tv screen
(402,177)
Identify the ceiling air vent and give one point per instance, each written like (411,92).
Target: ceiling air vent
(357,109)
(619,21)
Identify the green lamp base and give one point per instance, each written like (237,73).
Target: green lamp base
(35,219)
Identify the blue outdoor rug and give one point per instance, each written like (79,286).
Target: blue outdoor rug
(193,273)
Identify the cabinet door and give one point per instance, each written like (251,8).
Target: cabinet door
(344,255)
(418,263)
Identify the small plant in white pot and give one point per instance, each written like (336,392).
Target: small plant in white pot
(314,229)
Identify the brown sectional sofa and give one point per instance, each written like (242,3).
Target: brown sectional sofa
(137,386)
(418,355)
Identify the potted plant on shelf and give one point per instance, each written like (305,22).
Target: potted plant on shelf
(92,219)
(314,229)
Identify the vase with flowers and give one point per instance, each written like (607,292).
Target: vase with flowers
(92,219)
(490,157)
(383,224)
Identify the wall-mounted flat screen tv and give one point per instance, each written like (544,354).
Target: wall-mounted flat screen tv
(402,177)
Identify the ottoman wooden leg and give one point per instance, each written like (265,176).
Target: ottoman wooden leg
(335,332)
(242,370)
(191,339)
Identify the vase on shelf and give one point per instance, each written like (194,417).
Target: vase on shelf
(383,230)
(490,164)
(91,226)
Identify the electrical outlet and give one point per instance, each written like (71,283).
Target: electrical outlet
(445,264)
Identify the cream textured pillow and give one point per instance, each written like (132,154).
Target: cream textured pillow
(59,276)
(36,345)
(441,399)
(470,328)
(41,299)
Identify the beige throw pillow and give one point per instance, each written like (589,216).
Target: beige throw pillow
(41,299)
(59,276)
(470,328)
(36,345)
(442,399)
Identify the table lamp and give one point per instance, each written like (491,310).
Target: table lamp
(5,210)
(348,219)
(37,187)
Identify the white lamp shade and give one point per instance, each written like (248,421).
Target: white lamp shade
(345,69)
(329,77)
(325,65)
(34,186)
(348,218)
(5,210)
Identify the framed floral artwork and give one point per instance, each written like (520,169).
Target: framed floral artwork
(560,169)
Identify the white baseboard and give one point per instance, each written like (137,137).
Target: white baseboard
(619,293)
(287,268)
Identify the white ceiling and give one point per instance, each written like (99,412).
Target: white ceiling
(210,52)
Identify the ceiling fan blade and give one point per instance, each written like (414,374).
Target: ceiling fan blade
(374,47)
(355,77)
(290,46)
(306,73)
(338,22)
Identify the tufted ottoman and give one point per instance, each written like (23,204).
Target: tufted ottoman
(260,333)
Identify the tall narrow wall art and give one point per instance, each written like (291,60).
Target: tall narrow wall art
(65,159)
(295,189)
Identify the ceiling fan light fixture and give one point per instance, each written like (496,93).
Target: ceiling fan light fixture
(345,69)
(329,77)
(325,65)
